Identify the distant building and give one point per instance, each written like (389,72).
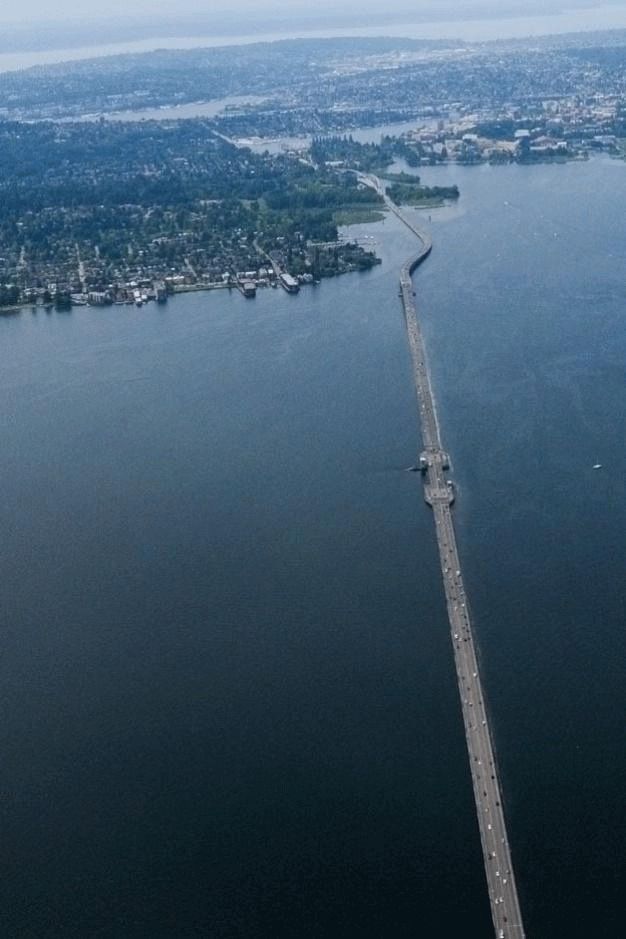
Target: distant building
(99,297)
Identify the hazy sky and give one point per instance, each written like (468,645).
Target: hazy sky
(55,10)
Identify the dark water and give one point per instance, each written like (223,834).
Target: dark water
(525,308)
(228,701)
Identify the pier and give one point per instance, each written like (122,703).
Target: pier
(439,494)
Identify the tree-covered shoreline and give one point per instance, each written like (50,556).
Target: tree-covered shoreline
(93,207)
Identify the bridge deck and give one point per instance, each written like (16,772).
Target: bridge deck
(505,907)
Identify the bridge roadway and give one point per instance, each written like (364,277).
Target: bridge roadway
(439,493)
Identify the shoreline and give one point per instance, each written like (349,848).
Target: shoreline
(606,17)
(176,290)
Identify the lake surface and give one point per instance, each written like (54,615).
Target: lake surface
(473,29)
(177,112)
(229,703)
(360,134)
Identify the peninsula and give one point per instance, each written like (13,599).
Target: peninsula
(109,212)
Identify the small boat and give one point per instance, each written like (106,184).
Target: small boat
(597,466)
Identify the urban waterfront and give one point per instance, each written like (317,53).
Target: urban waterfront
(230,701)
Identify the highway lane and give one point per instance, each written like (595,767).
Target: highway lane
(439,493)
(502,888)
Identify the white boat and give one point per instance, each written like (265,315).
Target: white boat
(290,283)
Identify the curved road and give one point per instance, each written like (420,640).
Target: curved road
(439,493)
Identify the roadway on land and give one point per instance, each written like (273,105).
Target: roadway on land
(439,493)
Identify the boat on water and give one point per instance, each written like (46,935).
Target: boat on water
(248,288)
(597,466)
(290,283)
